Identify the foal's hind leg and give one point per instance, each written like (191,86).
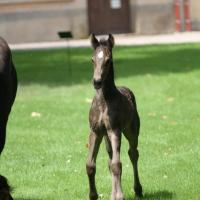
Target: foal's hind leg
(132,136)
(94,143)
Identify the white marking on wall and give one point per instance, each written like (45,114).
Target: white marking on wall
(100,54)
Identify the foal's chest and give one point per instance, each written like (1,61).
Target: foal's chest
(103,119)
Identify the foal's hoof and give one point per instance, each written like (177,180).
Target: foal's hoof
(120,196)
(138,191)
(93,196)
(117,196)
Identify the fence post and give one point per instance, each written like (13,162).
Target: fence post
(187,15)
(177,8)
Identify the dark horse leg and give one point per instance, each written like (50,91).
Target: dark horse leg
(94,144)
(3,123)
(4,189)
(132,137)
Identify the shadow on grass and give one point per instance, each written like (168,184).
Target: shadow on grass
(159,195)
(26,199)
(50,67)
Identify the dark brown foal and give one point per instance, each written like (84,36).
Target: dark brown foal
(112,112)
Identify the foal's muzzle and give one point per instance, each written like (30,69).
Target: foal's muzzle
(97,83)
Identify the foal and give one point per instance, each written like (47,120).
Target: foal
(112,112)
(8,89)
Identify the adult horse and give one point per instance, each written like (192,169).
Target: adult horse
(8,89)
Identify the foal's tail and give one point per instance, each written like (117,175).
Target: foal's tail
(5,189)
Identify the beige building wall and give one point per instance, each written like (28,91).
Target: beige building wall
(195,14)
(152,16)
(40,20)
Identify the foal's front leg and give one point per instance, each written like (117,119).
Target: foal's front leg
(94,143)
(108,149)
(116,166)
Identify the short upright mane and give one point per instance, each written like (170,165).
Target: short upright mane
(103,42)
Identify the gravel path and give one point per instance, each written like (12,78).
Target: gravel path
(121,39)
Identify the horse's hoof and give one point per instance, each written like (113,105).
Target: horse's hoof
(117,196)
(120,197)
(5,189)
(93,196)
(138,191)
(5,195)
(10,197)
(139,195)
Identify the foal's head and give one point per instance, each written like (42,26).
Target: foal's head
(102,59)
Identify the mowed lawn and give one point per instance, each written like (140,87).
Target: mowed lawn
(45,153)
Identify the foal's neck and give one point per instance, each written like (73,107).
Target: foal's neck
(108,88)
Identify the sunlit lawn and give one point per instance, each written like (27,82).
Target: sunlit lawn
(45,153)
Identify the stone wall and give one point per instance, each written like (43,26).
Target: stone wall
(40,20)
(195,14)
(152,16)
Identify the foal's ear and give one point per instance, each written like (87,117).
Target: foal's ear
(111,41)
(94,41)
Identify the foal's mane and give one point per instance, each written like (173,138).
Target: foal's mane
(103,42)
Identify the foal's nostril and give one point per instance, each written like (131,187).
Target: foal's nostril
(97,83)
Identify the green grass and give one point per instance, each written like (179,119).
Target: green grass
(44,157)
